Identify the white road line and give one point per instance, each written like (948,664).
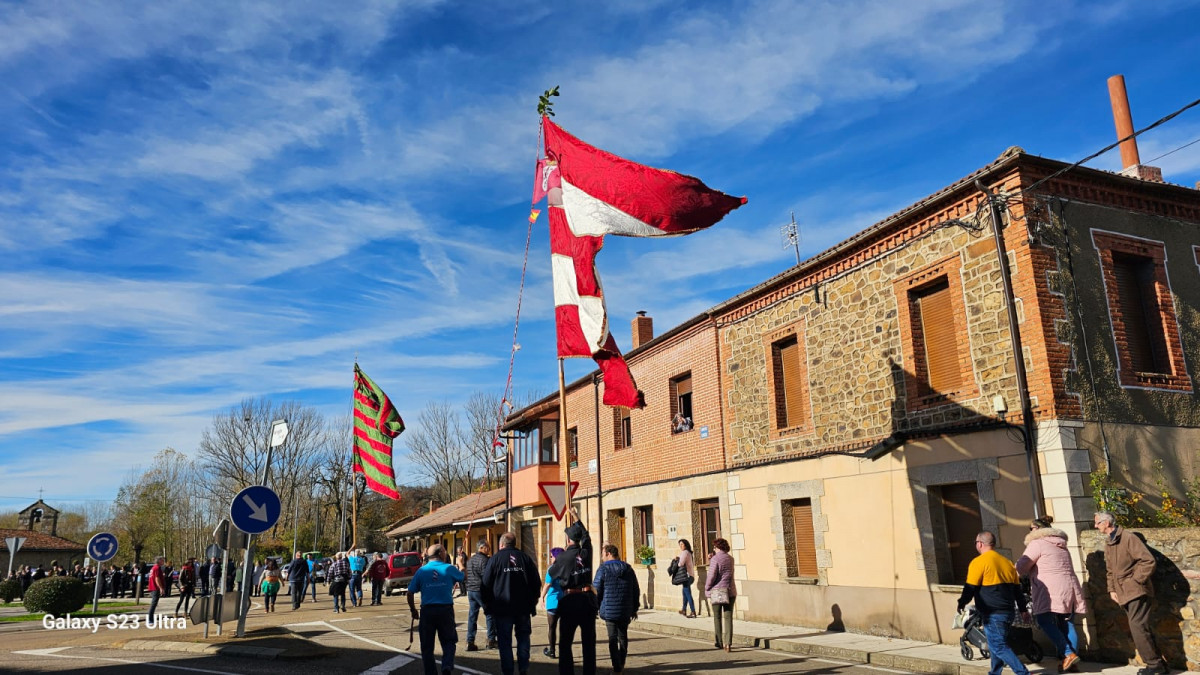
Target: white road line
(840,663)
(395,649)
(357,618)
(53,653)
(398,661)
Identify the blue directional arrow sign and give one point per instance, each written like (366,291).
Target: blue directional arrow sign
(102,547)
(255,509)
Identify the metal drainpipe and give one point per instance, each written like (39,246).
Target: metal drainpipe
(1014,332)
(599,487)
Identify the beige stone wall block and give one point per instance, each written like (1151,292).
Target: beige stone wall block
(870,514)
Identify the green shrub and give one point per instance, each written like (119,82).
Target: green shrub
(86,590)
(55,595)
(9,589)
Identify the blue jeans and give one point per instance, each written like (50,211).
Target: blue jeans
(1061,631)
(504,635)
(995,627)
(355,588)
(474,604)
(687,599)
(153,606)
(437,621)
(312,583)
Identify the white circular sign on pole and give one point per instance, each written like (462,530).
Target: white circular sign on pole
(279,432)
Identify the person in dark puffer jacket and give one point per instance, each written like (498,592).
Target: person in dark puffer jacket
(618,591)
(475,568)
(511,588)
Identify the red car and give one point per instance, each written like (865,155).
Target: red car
(401,568)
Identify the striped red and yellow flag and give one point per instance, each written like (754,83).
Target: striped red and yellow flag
(376,423)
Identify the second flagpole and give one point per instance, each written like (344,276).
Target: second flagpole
(564,449)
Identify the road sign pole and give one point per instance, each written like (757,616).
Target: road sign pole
(254,510)
(96,591)
(247,579)
(219,591)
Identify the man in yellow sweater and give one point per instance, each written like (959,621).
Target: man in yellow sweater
(993,584)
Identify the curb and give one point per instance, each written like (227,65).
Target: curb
(889,659)
(265,653)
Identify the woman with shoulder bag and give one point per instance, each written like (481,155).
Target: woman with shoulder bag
(722,592)
(339,578)
(683,573)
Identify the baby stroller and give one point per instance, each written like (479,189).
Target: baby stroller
(1020,639)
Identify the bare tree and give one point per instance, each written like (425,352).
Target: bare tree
(482,412)
(233,452)
(439,450)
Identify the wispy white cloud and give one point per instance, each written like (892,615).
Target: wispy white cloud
(205,202)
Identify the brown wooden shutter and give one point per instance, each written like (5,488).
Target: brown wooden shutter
(806,541)
(1140,314)
(781,415)
(960,503)
(941,339)
(793,383)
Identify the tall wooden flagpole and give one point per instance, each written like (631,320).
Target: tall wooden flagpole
(564,449)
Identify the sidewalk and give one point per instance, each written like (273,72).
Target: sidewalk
(911,655)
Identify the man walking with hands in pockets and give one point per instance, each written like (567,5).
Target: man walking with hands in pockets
(511,587)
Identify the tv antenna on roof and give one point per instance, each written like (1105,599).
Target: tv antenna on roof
(791,236)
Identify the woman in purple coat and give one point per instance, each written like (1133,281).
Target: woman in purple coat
(720,584)
(1057,595)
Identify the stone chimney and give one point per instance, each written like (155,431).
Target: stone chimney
(643,329)
(1131,163)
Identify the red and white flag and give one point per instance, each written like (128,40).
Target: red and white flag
(592,193)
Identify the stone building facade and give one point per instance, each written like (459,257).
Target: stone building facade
(861,410)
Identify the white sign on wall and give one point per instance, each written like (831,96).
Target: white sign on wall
(592,466)
(672,533)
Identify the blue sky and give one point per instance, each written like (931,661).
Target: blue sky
(202,202)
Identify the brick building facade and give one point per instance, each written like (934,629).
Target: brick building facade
(857,418)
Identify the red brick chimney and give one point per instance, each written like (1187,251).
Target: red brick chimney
(643,329)
(1131,163)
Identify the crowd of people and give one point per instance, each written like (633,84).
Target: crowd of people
(1056,596)
(508,588)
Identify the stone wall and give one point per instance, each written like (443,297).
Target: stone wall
(1176,602)
(860,348)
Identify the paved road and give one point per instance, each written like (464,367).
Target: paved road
(374,640)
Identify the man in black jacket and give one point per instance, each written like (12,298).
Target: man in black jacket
(577,606)
(297,577)
(202,576)
(475,568)
(511,588)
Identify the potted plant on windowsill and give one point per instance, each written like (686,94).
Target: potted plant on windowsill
(645,554)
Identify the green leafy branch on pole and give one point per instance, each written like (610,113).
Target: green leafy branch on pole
(545,105)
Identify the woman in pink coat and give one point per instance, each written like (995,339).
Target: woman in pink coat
(1057,595)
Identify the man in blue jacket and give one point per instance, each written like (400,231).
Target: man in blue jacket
(434,581)
(358,566)
(618,591)
(511,587)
